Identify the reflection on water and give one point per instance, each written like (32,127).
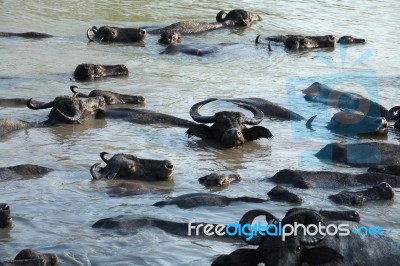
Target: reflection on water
(55,213)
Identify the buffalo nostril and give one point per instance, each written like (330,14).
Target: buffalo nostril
(355,214)
(141,99)
(5,208)
(143,32)
(169,165)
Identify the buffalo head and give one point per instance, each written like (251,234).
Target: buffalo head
(65,109)
(85,72)
(229,128)
(304,42)
(115,34)
(111,97)
(237,17)
(168,37)
(5,216)
(295,249)
(349,40)
(29,257)
(127,166)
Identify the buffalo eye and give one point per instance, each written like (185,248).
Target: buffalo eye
(298,249)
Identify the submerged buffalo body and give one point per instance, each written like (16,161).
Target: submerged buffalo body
(353,123)
(280,193)
(87,72)
(386,169)
(111,97)
(65,109)
(229,128)
(193,200)
(269,109)
(195,49)
(22,171)
(361,154)
(5,216)
(329,179)
(29,35)
(146,117)
(299,42)
(11,125)
(350,40)
(321,93)
(383,191)
(237,17)
(115,34)
(127,166)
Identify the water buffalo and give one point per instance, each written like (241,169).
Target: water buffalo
(321,93)
(383,191)
(233,18)
(386,169)
(350,40)
(252,257)
(115,34)
(299,42)
(87,72)
(49,259)
(11,125)
(127,166)
(22,171)
(280,193)
(218,180)
(132,189)
(352,123)
(5,216)
(229,128)
(330,179)
(335,249)
(169,37)
(30,35)
(110,97)
(361,154)
(269,109)
(145,117)
(71,110)
(195,49)
(193,200)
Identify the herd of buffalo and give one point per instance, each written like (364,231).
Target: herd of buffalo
(356,115)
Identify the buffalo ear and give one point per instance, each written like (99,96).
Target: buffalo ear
(201,131)
(320,255)
(256,132)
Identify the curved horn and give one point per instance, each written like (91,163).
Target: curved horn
(220,15)
(110,174)
(74,118)
(194,112)
(393,113)
(102,154)
(39,106)
(258,114)
(249,217)
(306,217)
(93,29)
(258,38)
(73,89)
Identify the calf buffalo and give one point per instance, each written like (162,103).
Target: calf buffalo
(115,34)
(193,200)
(111,97)
(127,166)
(87,72)
(229,128)
(383,191)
